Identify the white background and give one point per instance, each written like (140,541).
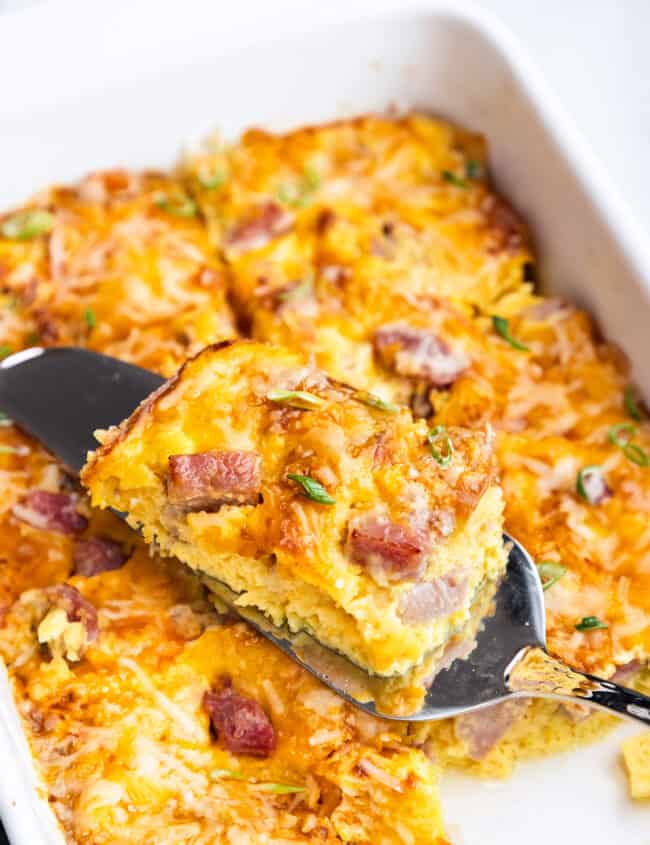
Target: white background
(595,55)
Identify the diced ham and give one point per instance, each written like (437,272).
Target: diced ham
(77,608)
(210,479)
(480,730)
(433,599)
(626,671)
(51,512)
(242,725)
(507,227)
(388,550)
(267,222)
(418,353)
(97,554)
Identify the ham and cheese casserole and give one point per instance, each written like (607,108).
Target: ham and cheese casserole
(377,252)
(322,506)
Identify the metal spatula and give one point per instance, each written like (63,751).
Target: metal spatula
(60,396)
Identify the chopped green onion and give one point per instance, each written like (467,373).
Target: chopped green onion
(5,422)
(550,573)
(90,318)
(212,181)
(473,169)
(591,623)
(374,402)
(32,339)
(181,206)
(296,398)
(300,195)
(4,351)
(311,180)
(230,774)
(633,452)
(583,479)
(440,434)
(279,788)
(453,179)
(28,224)
(501,327)
(312,489)
(615,431)
(631,405)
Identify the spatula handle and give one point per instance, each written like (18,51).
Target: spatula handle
(535,673)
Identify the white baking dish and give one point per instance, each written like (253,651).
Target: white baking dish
(114,85)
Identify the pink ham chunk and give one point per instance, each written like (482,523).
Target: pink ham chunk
(480,730)
(208,480)
(97,554)
(388,550)
(433,599)
(421,354)
(242,725)
(51,512)
(77,608)
(267,222)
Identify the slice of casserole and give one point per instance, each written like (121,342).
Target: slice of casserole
(317,504)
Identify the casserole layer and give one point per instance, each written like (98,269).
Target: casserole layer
(124,748)
(383,569)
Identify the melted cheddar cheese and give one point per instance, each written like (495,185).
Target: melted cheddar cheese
(380,222)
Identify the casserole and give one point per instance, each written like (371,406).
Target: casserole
(418,69)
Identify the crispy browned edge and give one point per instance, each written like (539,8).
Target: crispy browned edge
(118,433)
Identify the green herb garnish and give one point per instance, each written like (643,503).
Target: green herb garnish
(374,402)
(631,405)
(583,478)
(28,224)
(5,422)
(90,318)
(615,431)
(300,195)
(439,434)
(181,206)
(4,351)
(312,489)
(453,179)
(230,774)
(296,399)
(633,452)
(591,623)
(473,169)
(501,327)
(32,339)
(550,573)
(212,181)
(279,788)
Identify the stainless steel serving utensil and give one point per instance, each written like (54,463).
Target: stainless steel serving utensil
(60,396)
